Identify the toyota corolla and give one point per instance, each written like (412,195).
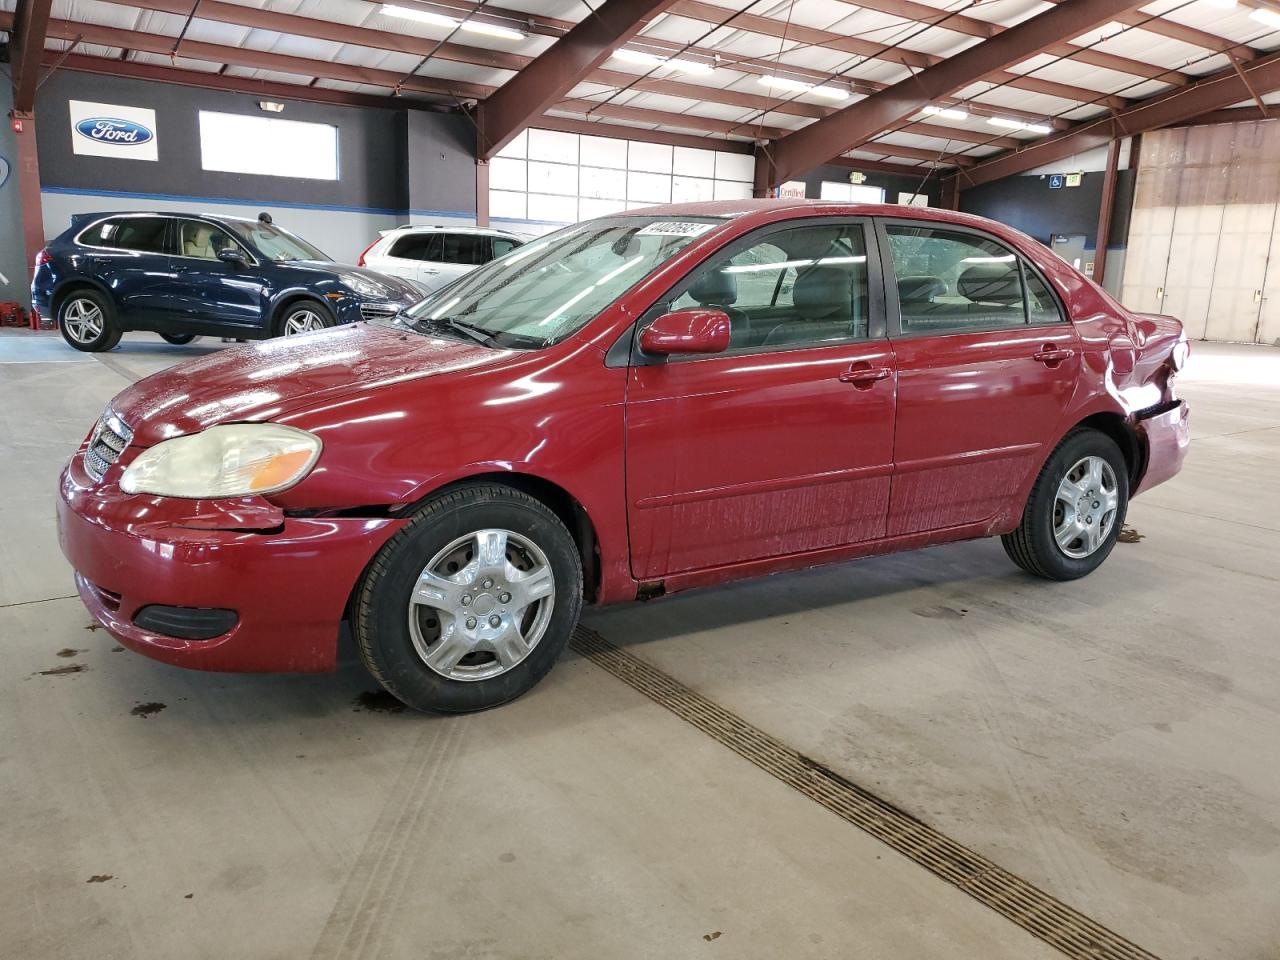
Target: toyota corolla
(632,406)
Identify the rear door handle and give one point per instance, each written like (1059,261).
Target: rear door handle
(864,376)
(1052,355)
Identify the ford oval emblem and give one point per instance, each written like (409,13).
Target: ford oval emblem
(126,133)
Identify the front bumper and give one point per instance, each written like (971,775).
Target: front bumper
(1166,434)
(288,582)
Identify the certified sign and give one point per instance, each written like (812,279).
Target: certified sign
(111,130)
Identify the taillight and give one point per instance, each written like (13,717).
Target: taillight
(360,259)
(42,257)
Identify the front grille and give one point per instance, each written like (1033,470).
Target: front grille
(379,311)
(109,439)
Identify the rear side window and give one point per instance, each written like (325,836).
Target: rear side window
(463,248)
(952,282)
(502,246)
(412,246)
(141,234)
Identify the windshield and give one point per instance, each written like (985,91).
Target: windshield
(551,287)
(274,243)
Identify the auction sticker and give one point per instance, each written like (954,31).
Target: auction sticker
(675,228)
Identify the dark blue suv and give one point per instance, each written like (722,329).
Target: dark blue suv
(183,275)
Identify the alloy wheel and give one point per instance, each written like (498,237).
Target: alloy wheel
(302,321)
(1084,509)
(83,320)
(481,605)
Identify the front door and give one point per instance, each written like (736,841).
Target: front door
(210,291)
(784,443)
(987,363)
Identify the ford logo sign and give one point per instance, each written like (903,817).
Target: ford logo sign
(108,130)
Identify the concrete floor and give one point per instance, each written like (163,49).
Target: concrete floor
(1114,741)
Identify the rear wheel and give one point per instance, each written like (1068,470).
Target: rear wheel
(179,339)
(471,604)
(1075,510)
(87,321)
(304,316)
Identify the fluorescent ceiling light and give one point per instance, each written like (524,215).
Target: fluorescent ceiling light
(950,113)
(1266,15)
(818,90)
(1019,125)
(440,20)
(653,60)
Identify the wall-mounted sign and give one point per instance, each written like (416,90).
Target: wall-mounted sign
(108,130)
(792,190)
(1056,181)
(1073,179)
(857,176)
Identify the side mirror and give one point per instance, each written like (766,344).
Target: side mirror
(232,256)
(695,330)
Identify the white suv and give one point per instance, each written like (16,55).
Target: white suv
(434,256)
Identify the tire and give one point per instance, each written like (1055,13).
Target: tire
(1050,542)
(399,638)
(179,339)
(87,321)
(303,316)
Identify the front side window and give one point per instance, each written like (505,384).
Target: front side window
(503,245)
(950,281)
(202,240)
(553,286)
(274,243)
(139,234)
(796,287)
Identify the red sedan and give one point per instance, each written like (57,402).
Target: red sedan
(632,406)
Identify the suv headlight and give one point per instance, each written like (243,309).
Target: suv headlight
(363,287)
(233,460)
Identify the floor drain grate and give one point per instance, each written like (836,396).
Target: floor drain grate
(1048,918)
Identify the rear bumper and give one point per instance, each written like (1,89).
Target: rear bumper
(288,585)
(1166,436)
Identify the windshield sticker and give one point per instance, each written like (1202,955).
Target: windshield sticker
(675,228)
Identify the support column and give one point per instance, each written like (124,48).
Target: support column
(482,193)
(951,192)
(763,174)
(1104,214)
(27,170)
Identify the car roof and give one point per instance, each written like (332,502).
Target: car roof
(483,231)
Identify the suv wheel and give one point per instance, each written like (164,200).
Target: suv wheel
(87,322)
(1075,510)
(471,604)
(305,316)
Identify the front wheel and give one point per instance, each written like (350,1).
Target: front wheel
(305,316)
(179,339)
(1075,510)
(87,321)
(471,604)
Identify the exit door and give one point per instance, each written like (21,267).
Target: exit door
(1070,247)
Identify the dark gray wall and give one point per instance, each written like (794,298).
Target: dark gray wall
(13,257)
(1027,203)
(893,184)
(441,168)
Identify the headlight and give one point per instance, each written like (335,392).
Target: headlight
(362,286)
(235,460)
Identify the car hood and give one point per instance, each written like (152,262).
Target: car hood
(392,288)
(265,380)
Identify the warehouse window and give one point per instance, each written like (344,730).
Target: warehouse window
(236,143)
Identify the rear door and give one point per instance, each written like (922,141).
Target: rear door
(783,444)
(129,255)
(987,363)
(406,254)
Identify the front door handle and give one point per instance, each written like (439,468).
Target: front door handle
(1051,356)
(864,376)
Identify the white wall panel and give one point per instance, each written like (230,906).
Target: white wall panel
(588,208)
(554,209)
(506,173)
(600,184)
(732,190)
(518,147)
(553,145)
(649,157)
(508,205)
(735,166)
(557,178)
(648,187)
(603,152)
(692,189)
(690,162)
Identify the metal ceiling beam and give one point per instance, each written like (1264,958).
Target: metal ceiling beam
(856,124)
(685,121)
(1190,35)
(879,166)
(1215,92)
(558,70)
(916,153)
(26,45)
